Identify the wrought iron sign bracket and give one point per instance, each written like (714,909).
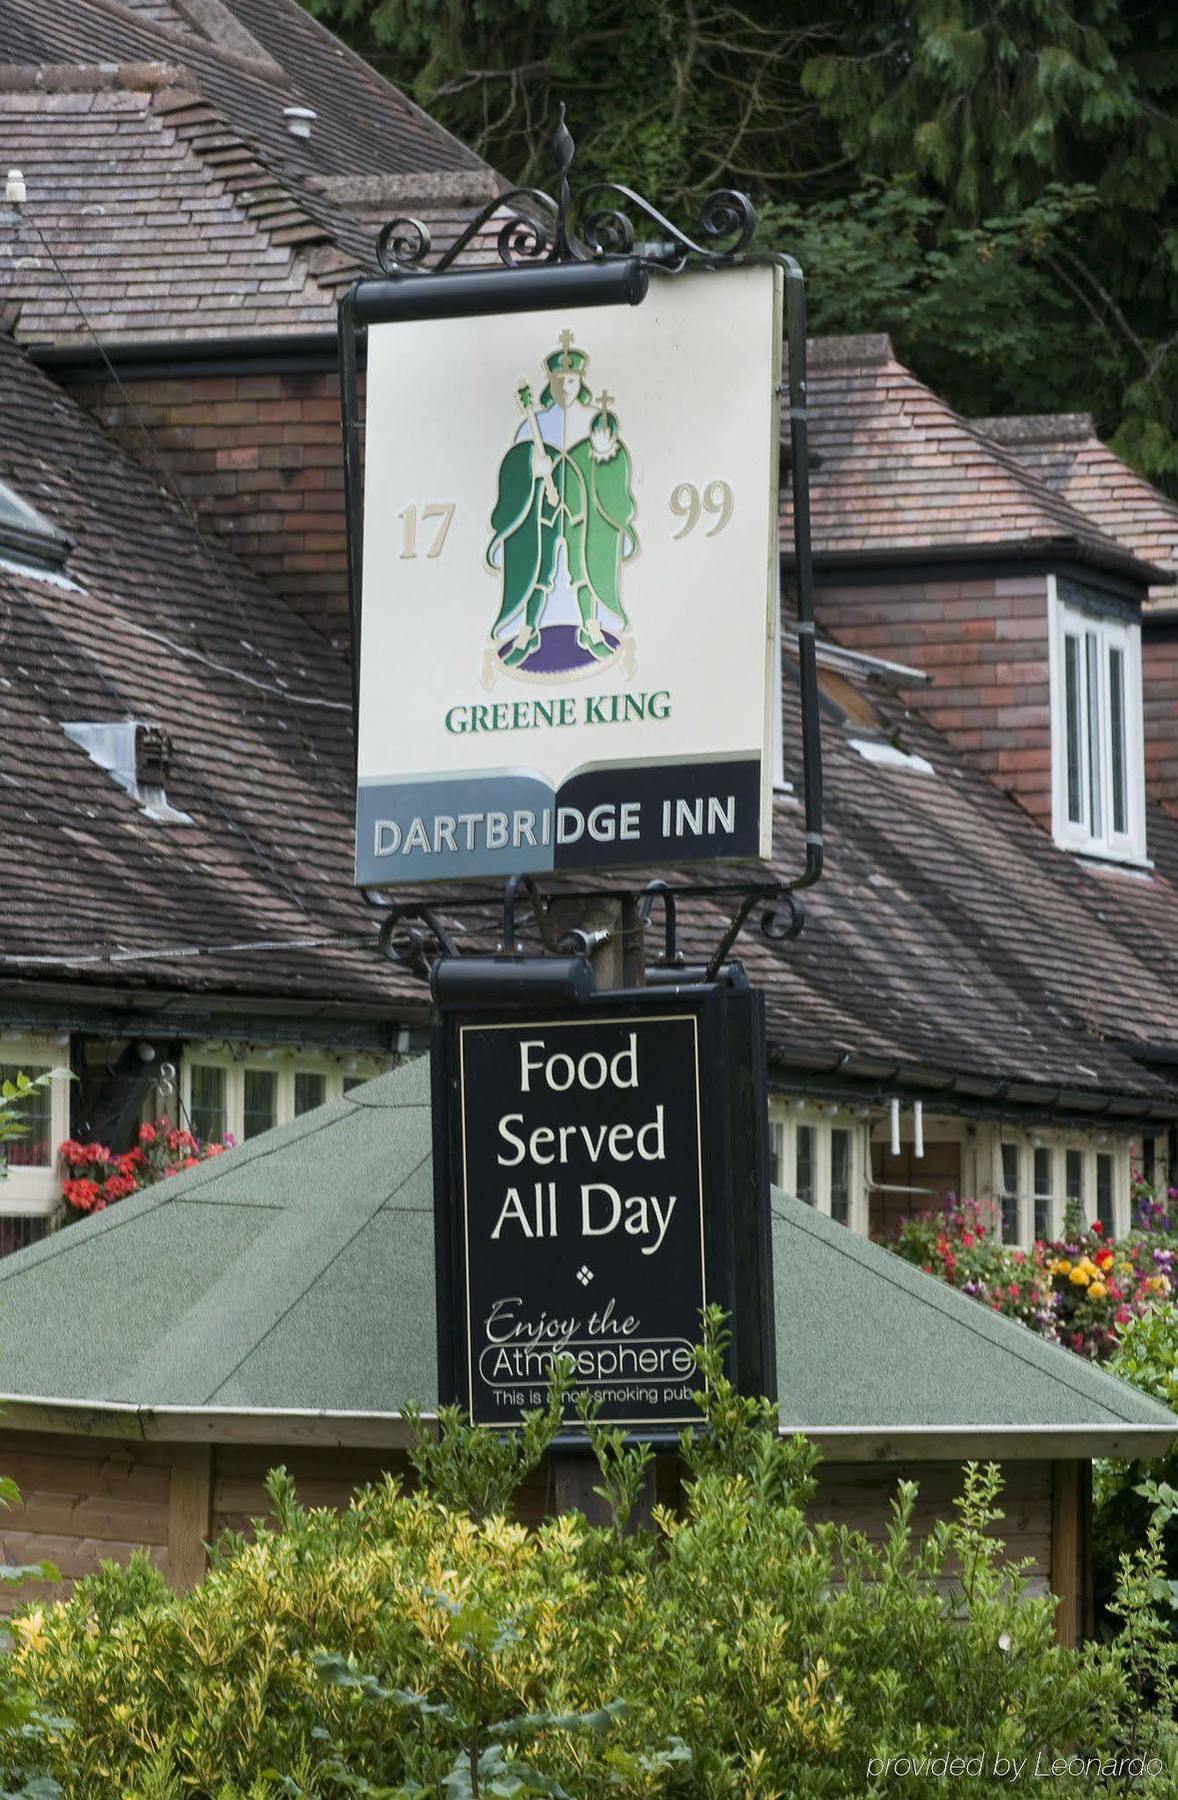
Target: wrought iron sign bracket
(412,935)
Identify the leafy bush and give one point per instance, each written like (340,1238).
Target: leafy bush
(1126,1493)
(419,1645)
(25,1727)
(12,1094)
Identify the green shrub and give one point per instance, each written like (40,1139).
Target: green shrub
(419,1644)
(1147,1356)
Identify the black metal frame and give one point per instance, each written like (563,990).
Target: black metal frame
(734,1141)
(555,252)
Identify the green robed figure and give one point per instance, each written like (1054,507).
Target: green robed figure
(563,527)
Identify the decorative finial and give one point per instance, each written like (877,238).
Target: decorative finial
(563,145)
(565,149)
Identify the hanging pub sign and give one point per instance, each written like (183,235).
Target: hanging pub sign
(601,1183)
(569,584)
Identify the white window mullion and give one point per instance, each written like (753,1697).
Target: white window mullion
(822,1169)
(1097,738)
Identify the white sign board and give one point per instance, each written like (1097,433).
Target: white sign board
(570,552)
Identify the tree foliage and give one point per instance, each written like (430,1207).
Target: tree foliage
(992,181)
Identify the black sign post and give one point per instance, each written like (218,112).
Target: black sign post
(601,1176)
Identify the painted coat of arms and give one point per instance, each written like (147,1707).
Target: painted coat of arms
(563,526)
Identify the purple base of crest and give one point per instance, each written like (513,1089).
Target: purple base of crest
(558,652)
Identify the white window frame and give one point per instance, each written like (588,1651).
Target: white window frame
(285,1064)
(1066,618)
(37,1190)
(784,1118)
(1089,1147)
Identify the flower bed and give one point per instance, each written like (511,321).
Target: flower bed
(99,1175)
(1078,1291)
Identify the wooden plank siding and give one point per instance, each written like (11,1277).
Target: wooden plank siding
(83,1500)
(86,1500)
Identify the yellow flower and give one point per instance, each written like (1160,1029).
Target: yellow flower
(1061,1267)
(1097,1291)
(1079,1276)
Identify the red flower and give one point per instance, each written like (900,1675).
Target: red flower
(147,1134)
(967,1237)
(1104,1258)
(82,1194)
(215,1150)
(191,1162)
(1098,1228)
(1013,1290)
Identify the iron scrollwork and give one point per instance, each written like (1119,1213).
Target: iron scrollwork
(535,228)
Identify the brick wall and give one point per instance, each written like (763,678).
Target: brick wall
(1159,678)
(258,459)
(984,642)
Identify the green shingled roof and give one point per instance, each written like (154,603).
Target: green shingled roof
(294,1276)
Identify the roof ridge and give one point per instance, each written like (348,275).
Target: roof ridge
(1037,428)
(263,68)
(85,78)
(220,26)
(866,348)
(393,189)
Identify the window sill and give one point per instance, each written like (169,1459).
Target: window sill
(29,1191)
(1109,859)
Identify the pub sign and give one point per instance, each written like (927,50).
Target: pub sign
(570,554)
(601,1181)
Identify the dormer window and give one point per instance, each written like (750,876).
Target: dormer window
(26,539)
(1098,778)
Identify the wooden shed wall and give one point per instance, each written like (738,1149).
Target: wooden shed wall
(86,1499)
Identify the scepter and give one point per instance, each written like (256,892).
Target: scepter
(541,461)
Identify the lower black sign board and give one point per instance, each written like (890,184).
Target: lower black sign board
(601,1177)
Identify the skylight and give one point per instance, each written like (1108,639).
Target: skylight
(26,537)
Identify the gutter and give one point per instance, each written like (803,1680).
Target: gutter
(966,1093)
(388,1430)
(274,353)
(907,563)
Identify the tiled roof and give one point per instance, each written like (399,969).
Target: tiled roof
(150,217)
(949,934)
(1063,451)
(164,628)
(900,472)
(165,190)
(252,59)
